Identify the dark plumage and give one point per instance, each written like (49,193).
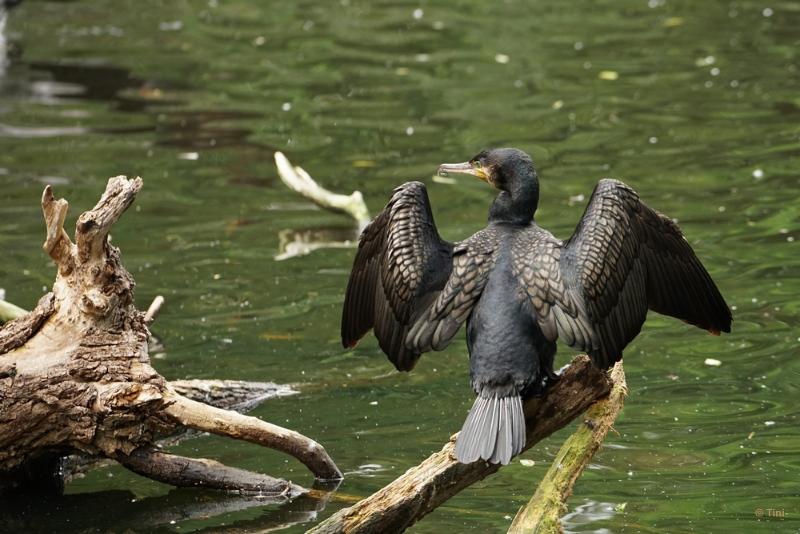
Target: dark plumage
(519,289)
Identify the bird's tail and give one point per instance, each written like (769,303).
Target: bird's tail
(494,430)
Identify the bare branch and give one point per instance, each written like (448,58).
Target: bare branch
(300,181)
(93,225)
(541,515)
(201,416)
(426,486)
(57,243)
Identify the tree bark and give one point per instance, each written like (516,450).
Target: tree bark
(421,489)
(75,375)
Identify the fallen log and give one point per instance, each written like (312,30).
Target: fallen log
(421,489)
(75,375)
(543,512)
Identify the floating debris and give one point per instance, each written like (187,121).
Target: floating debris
(189,156)
(444,180)
(672,22)
(712,362)
(277,336)
(574,199)
(502,59)
(527,463)
(608,75)
(363,163)
(705,61)
(171,26)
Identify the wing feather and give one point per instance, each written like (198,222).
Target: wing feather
(401,265)
(473,260)
(593,291)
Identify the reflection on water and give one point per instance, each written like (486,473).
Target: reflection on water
(693,104)
(294,243)
(582,515)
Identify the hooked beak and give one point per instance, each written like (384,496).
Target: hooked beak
(468,167)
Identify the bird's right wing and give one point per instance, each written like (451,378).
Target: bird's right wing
(401,266)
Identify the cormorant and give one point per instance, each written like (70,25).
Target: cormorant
(519,289)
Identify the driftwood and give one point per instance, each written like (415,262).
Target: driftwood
(75,375)
(541,514)
(298,180)
(424,487)
(293,243)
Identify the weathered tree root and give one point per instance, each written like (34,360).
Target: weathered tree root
(421,489)
(75,375)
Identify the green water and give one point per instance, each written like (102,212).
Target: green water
(703,119)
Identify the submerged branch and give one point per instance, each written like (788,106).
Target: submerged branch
(541,514)
(200,472)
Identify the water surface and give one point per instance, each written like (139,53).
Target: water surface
(694,104)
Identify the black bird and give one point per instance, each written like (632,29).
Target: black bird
(519,289)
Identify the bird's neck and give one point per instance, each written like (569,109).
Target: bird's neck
(516,206)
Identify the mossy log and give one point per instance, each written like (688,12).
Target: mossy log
(75,375)
(543,512)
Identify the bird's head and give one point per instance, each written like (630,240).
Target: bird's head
(512,172)
(504,168)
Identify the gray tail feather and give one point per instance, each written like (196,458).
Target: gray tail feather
(494,430)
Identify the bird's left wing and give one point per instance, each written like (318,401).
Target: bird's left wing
(399,269)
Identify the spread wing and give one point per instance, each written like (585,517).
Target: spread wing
(400,267)
(593,291)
